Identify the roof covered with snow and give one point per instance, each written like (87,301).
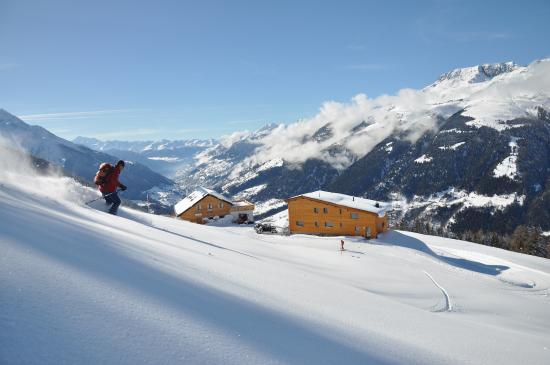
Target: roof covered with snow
(349,201)
(195,197)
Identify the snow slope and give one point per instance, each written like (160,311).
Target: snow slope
(81,286)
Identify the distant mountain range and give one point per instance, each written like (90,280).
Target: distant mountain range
(145,147)
(77,160)
(168,158)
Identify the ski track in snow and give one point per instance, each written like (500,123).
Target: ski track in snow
(448,304)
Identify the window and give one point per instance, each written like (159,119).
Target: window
(329,224)
(317,224)
(357,229)
(354,215)
(340,210)
(199,208)
(221,204)
(209,206)
(315,210)
(300,223)
(325,210)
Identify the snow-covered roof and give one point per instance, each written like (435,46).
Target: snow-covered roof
(349,201)
(196,196)
(242,206)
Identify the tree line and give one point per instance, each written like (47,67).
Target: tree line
(525,239)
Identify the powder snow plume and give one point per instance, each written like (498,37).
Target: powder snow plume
(18,171)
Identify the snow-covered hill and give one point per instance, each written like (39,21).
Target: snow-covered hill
(81,286)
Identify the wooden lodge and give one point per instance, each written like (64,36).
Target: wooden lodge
(332,214)
(203,204)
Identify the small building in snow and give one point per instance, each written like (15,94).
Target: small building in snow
(333,214)
(206,203)
(202,204)
(242,211)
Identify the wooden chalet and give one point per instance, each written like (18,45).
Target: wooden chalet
(203,204)
(332,214)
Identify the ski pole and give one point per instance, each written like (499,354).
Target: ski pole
(103,196)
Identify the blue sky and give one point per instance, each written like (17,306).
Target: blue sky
(200,69)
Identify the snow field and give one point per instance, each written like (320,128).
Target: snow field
(508,166)
(82,286)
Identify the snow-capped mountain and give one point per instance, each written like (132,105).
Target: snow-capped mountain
(74,159)
(144,146)
(477,132)
(461,176)
(475,74)
(168,158)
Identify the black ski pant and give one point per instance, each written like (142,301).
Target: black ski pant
(112,198)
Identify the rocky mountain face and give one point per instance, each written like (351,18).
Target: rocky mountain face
(470,151)
(76,160)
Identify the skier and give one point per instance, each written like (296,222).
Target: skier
(107,179)
(341,245)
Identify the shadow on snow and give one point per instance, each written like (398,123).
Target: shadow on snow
(403,240)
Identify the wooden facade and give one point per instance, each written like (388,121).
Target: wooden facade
(208,207)
(312,216)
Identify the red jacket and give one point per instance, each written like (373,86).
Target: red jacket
(111,181)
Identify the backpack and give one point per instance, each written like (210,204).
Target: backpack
(104,170)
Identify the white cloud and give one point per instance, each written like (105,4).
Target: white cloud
(478,36)
(228,140)
(384,115)
(76,115)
